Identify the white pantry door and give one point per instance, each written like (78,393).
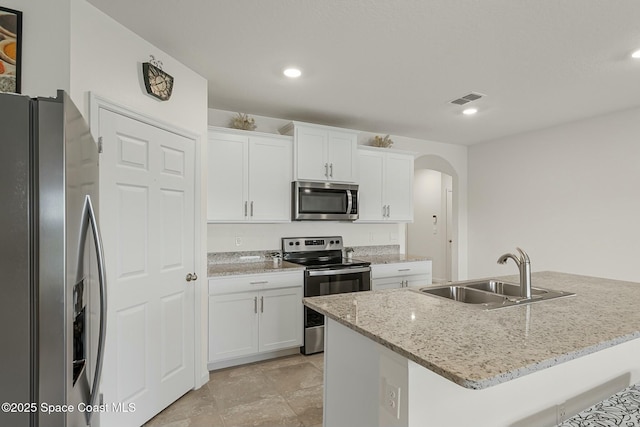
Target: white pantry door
(147,218)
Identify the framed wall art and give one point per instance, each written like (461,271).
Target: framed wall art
(10,49)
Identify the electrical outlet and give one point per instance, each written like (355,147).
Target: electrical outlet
(391,399)
(238,241)
(561,412)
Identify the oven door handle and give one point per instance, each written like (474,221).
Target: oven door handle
(312,273)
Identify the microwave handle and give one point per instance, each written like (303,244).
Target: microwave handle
(349,202)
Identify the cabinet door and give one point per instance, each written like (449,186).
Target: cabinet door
(386,283)
(227,178)
(270,171)
(370,178)
(311,154)
(280,318)
(418,281)
(398,191)
(341,156)
(233,325)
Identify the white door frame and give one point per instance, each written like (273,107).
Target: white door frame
(97,102)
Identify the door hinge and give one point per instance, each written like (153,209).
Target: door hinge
(100,145)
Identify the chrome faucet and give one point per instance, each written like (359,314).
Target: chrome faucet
(524,265)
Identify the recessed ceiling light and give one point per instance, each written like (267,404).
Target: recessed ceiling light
(292,72)
(469,111)
(636,54)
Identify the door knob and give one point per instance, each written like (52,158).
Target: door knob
(191,276)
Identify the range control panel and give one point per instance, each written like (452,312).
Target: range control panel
(302,244)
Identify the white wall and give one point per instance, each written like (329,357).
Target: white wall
(456,155)
(427,201)
(106,59)
(45,45)
(423,236)
(568,195)
(258,237)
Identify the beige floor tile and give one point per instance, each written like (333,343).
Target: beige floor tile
(180,423)
(281,362)
(211,420)
(195,403)
(283,392)
(235,371)
(270,412)
(307,404)
(294,377)
(242,389)
(317,360)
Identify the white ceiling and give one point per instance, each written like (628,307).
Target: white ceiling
(393,66)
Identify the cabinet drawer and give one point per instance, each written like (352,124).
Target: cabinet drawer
(401,269)
(254,282)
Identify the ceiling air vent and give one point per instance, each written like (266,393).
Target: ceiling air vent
(467,98)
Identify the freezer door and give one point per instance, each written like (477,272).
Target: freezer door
(69,273)
(85,265)
(17,382)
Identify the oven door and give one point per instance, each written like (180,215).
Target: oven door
(337,281)
(326,282)
(324,201)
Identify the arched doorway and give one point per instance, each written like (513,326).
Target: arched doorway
(434,231)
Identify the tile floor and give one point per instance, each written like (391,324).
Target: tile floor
(283,392)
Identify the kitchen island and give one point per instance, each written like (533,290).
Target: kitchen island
(400,358)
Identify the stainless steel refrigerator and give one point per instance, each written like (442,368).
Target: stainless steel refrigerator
(53,284)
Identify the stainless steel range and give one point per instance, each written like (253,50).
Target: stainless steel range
(327,272)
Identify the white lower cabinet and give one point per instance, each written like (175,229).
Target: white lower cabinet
(254,314)
(401,275)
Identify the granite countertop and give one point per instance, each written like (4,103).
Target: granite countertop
(390,258)
(478,348)
(234,269)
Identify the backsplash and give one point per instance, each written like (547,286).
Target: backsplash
(375,250)
(239,257)
(267,237)
(262,256)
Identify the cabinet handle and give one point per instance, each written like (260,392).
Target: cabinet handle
(245,208)
(384,211)
(261,282)
(261,304)
(404,269)
(331,170)
(255,305)
(388,211)
(326,170)
(252,208)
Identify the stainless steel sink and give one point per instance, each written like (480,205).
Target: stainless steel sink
(503,288)
(490,294)
(464,294)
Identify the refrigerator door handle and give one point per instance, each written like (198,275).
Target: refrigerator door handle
(89,219)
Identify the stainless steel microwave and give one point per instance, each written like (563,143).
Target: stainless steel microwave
(324,201)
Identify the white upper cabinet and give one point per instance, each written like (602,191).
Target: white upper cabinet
(323,153)
(386,185)
(249,177)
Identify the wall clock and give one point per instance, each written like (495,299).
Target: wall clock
(158,83)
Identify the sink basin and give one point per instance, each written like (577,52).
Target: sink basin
(502,288)
(464,294)
(490,294)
